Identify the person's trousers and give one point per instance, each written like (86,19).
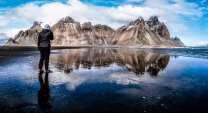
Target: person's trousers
(44,57)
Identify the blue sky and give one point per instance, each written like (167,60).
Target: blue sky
(187,19)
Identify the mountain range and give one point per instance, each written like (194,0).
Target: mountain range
(68,32)
(3,39)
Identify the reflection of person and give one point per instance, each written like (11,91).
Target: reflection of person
(44,94)
(44,46)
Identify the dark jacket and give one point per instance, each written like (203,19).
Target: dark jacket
(44,38)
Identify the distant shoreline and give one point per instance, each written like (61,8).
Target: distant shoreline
(30,48)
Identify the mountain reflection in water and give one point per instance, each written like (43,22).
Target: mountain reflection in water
(139,62)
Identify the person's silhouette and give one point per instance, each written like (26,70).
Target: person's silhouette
(44,46)
(44,94)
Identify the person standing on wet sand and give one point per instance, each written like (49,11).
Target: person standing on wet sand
(44,46)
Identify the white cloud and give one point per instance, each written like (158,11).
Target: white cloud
(172,14)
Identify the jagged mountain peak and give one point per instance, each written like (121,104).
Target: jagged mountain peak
(36,25)
(138,21)
(104,27)
(176,40)
(67,19)
(86,26)
(153,20)
(3,38)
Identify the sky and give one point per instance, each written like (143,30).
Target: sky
(186,19)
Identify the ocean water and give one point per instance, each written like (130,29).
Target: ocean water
(105,80)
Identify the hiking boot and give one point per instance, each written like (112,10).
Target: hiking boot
(41,71)
(49,71)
